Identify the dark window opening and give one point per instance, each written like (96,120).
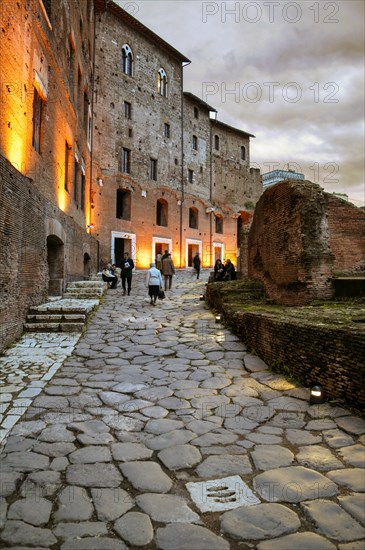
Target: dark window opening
(123,204)
(166,131)
(190,176)
(162,213)
(195,143)
(83,185)
(76,179)
(216,143)
(193,218)
(153,169)
(127,110)
(196,112)
(218,224)
(37,120)
(126,161)
(127,60)
(243,153)
(68,165)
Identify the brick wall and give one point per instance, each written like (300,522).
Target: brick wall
(26,220)
(346,228)
(299,237)
(332,357)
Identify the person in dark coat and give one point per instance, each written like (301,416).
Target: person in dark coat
(168,270)
(219,270)
(230,274)
(196,264)
(126,273)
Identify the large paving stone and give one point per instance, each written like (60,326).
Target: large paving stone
(170,439)
(18,532)
(353,455)
(73,530)
(351,424)
(110,504)
(35,511)
(91,543)
(33,427)
(26,462)
(74,505)
(332,521)
(267,457)
(90,455)
(56,434)
(147,476)
(209,439)
(180,457)
(183,536)
(224,465)
(121,422)
(54,449)
(9,480)
(300,437)
(262,521)
(93,475)
(337,438)
(127,452)
(298,541)
(113,399)
(254,364)
(293,484)
(167,508)
(353,478)
(354,504)
(318,457)
(41,484)
(136,528)
(163,425)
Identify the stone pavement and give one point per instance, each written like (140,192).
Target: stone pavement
(160,431)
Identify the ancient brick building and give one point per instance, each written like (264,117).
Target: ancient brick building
(103,152)
(45,148)
(169,176)
(299,238)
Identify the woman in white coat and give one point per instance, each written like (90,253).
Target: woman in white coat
(154,282)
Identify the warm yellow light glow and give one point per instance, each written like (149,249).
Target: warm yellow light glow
(143,258)
(62,198)
(16,153)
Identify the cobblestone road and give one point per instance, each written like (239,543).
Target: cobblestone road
(161,431)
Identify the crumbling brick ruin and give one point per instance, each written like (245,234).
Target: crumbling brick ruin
(299,238)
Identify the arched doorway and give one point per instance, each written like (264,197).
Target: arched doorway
(87,266)
(55,260)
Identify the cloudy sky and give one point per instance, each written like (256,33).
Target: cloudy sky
(291,73)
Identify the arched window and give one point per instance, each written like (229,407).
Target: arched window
(162,212)
(243,153)
(193,218)
(162,82)
(127,60)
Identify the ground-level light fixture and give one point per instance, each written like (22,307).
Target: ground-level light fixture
(202,297)
(218,318)
(317,396)
(90,226)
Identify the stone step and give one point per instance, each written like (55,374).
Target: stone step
(76,294)
(53,327)
(51,310)
(56,318)
(87,284)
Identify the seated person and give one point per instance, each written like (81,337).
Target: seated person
(230,274)
(109,277)
(219,270)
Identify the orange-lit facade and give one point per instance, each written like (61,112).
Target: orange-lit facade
(169,174)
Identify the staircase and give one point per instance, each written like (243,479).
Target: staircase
(67,314)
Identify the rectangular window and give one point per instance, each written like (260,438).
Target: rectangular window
(123,204)
(153,169)
(127,110)
(191,176)
(76,178)
(83,185)
(126,161)
(71,76)
(166,130)
(218,224)
(68,165)
(37,120)
(216,143)
(79,89)
(196,112)
(195,143)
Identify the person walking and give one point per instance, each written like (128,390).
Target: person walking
(196,264)
(159,261)
(126,273)
(168,270)
(153,282)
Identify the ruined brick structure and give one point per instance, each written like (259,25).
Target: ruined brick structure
(300,236)
(168,176)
